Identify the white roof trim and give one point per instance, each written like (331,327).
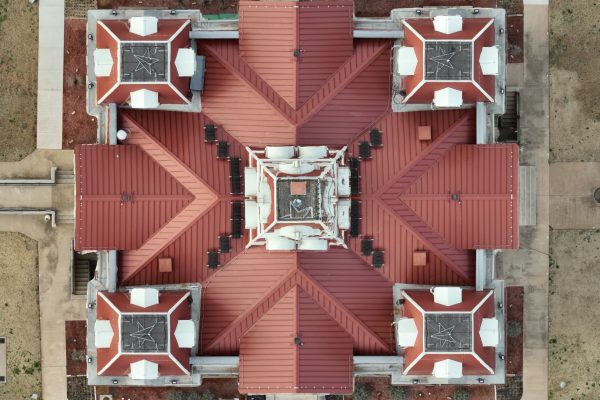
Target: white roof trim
(490,22)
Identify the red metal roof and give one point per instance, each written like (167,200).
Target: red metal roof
(477,362)
(478,30)
(109,35)
(112,362)
(332,95)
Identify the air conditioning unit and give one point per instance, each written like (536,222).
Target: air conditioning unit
(105,397)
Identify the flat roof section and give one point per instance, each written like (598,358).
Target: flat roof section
(144,333)
(448,61)
(448,332)
(144,62)
(292,206)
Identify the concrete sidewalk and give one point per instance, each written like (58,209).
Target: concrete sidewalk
(528,266)
(50,74)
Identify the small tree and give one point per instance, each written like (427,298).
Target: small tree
(398,392)
(460,394)
(362,391)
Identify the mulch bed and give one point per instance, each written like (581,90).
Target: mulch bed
(514,330)
(206,6)
(380,390)
(78,126)
(514,26)
(222,388)
(78,389)
(75,338)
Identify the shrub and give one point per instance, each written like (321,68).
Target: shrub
(398,393)
(460,394)
(362,391)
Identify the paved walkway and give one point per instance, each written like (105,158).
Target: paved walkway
(571,202)
(528,267)
(50,74)
(54,253)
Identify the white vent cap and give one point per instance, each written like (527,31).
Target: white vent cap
(185,333)
(488,60)
(448,97)
(103,62)
(448,24)
(406,332)
(447,296)
(185,62)
(144,297)
(406,61)
(103,334)
(144,369)
(489,332)
(143,26)
(144,98)
(448,369)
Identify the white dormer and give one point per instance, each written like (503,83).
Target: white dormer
(448,98)
(488,60)
(448,369)
(406,61)
(185,334)
(185,62)
(406,332)
(489,332)
(144,98)
(448,24)
(103,334)
(103,62)
(143,370)
(143,26)
(144,297)
(447,296)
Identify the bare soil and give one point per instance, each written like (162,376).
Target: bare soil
(574,80)
(20,316)
(574,354)
(18,78)
(78,126)
(222,388)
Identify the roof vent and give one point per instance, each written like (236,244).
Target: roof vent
(144,370)
(144,98)
(448,97)
(447,296)
(103,62)
(448,24)
(406,61)
(185,334)
(121,135)
(144,297)
(185,62)
(489,332)
(406,332)
(103,334)
(448,369)
(143,26)
(213,259)
(488,60)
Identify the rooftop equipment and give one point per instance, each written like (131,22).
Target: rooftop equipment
(236,219)
(313,244)
(143,99)
(406,61)
(235,175)
(376,138)
(213,259)
(280,243)
(143,26)
(103,62)
(144,297)
(354,164)
(222,149)
(185,62)
(312,152)
(378,259)
(280,152)
(144,369)
(447,296)
(448,24)
(210,133)
(224,244)
(366,246)
(364,150)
